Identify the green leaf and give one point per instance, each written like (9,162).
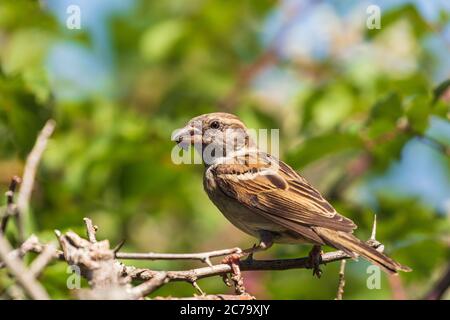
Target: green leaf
(418,112)
(407,12)
(321,146)
(26,49)
(442,109)
(384,115)
(388,108)
(158,41)
(384,152)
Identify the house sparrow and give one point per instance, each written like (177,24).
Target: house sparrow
(266,198)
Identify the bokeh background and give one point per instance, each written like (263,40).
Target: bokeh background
(363,114)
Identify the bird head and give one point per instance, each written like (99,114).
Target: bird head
(215,135)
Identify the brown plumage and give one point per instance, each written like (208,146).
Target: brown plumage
(266,198)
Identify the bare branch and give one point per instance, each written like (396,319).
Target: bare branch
(32,244)
(197,287)
(29,173)
(149,286)
(11,208)
(91,230)
(245,265)
(21,274)
(110,279)
(202,256)
(193,275)
(48,254)
(96,263)
(118,247)
(341,285)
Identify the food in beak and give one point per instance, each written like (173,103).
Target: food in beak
(185,137)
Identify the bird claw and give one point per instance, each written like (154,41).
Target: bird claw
(250,255)
(315,259)
(317,272)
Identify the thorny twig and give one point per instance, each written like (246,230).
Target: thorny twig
(245,265)
(201,256)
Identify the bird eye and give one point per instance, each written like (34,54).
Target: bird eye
(215,124)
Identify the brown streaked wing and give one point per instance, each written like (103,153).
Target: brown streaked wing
(282,196)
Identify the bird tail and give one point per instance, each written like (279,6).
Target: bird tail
(354,247)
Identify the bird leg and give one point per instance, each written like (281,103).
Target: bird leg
(250,255)
(265,242)
(315,258)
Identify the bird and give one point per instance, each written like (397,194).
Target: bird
(267,199)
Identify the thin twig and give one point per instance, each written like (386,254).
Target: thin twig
(251,265)
(149,286)
(23,277)
(91,230)
(202,256)
(340,291)
(38,265)
(109,279)
(197,287)
(11,208)
(245,265)
(32,244)
(29,173)
(119,246)
(374,228)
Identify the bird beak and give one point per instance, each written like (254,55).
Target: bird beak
(187,136)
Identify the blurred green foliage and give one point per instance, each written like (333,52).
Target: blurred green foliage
(110,156)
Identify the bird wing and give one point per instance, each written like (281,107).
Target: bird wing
(279,194)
